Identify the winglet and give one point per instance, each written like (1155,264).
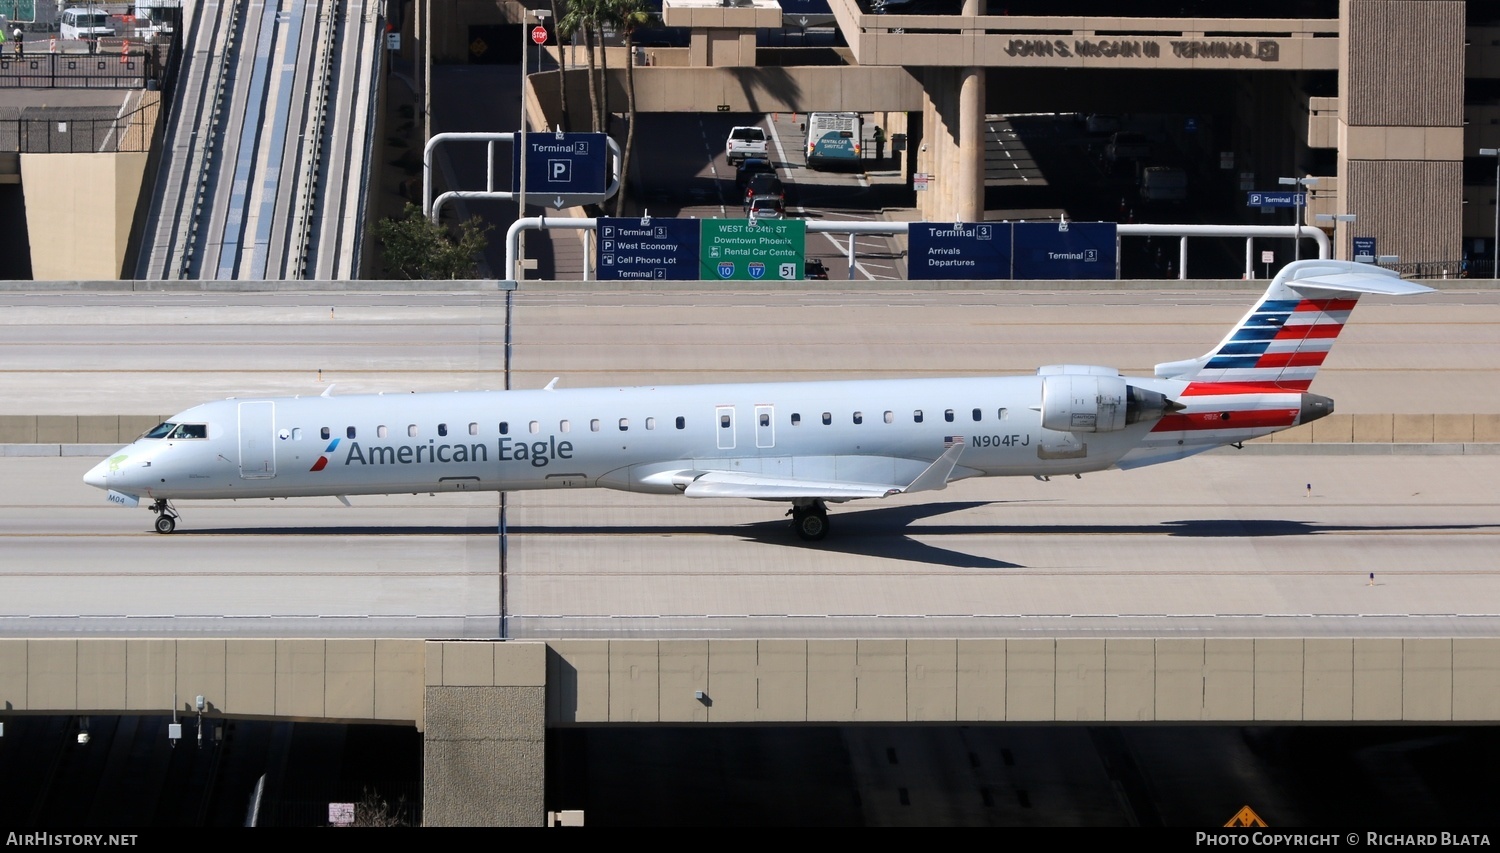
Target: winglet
(343,499)
(937,474)
(327,392)
(552,386)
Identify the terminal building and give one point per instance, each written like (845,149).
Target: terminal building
(1380,107)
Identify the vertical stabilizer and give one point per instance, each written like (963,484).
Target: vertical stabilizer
(1282,341)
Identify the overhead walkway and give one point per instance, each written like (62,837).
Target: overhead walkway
(268,145)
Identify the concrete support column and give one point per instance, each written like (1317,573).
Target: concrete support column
(969,190)
(485,740)
(1401,125)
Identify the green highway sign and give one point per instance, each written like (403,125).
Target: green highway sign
(736,250)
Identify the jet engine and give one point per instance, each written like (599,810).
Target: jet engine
(1084,398)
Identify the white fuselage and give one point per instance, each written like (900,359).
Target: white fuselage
(876,431)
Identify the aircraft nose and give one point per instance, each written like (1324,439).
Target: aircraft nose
(97,474)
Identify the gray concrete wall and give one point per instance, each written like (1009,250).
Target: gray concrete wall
(1228,680)
(484,748)
(494,697)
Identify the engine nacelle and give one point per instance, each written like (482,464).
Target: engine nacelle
(1098,400)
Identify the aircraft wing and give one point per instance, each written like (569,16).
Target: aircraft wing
(734,484)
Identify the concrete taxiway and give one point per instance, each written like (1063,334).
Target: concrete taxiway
(1228,542)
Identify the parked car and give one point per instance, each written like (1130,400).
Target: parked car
(764,184)
(813,269)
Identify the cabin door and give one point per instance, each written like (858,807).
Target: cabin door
(257,440)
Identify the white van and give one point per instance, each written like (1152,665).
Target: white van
(84,22)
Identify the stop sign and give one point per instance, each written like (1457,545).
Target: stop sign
(539,34)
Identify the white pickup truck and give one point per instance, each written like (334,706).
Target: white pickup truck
(745,142)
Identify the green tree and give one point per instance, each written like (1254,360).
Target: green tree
(629,16)
(415,248)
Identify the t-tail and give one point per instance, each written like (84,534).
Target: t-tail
(1255,382)
(1280,344)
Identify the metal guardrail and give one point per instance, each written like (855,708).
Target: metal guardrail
(131,132)
(1456,269)
(137,69)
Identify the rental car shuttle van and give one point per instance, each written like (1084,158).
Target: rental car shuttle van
(834,139)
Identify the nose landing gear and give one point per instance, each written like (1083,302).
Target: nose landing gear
(810,521)
(166,516)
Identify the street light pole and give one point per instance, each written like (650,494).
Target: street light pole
(1495,246)
(1297,196)
(1336,218)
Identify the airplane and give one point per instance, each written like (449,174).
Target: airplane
(804,443)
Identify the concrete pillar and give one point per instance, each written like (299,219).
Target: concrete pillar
(484,748)
(969,190)
(1401,127)
(953,140)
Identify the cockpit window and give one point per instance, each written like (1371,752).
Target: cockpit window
(160,430)
(190,431)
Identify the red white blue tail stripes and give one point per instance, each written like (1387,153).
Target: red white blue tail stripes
(1280,344)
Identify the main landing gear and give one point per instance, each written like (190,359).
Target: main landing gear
(810,520)
(166,516)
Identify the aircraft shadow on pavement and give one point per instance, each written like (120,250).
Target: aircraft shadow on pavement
(884,532)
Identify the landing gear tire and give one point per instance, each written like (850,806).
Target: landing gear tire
(810,522)
(166,516)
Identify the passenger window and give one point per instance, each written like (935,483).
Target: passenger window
(765,419)
(827,418)
(411,430)
(948,415)
(325,432)
(505,427)
(723,421)
(859,417)
(650,423)
(442,429)
(796,419)
(534,427)
(565,425)
(916,416)
(681,422)
(977,415)
(1004,414)
(296,433)
(381,431)
(349,432)
(890,417)
(594,425)
(473,429)
(624,424)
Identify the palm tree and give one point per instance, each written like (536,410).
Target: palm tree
(562,64)
(585,15)
(629,16)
